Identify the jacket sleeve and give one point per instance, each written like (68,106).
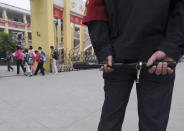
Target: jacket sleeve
(173,45)
(99,34)
(95,10)
(96,19)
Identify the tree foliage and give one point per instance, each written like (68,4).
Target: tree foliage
(6,44)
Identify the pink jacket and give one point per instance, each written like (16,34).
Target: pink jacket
(18,55)
(33,56)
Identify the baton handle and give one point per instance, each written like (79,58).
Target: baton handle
(171,64)
(84,65)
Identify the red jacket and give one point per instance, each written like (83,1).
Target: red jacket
(95,10)
(38,57)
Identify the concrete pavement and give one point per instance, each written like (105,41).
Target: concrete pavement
(4,72)
(69,101)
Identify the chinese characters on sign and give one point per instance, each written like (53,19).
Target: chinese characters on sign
(58,14)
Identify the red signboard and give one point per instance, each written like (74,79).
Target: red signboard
(2,20)
(58,14)
(76,20)
(14,23)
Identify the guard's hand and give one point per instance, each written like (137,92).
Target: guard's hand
(108,61)
(162,68)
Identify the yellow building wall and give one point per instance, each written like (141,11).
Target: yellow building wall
(45,34)
(42,27)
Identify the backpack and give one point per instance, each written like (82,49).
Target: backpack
(55,55)
(42,57)
(9,58)
(28,59)
(19,55)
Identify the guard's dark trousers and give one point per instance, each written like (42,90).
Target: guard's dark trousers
(154,95)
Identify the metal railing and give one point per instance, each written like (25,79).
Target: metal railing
(66,61)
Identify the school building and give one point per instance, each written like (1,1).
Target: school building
(48,23)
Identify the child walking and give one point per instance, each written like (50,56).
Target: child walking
(28,63)
(8,59)
(40,58)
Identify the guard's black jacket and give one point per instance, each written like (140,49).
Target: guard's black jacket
(136,28)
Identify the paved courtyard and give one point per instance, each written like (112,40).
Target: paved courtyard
(69,101)
(5,73)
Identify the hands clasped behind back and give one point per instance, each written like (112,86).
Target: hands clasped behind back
(161,69)
(108,62)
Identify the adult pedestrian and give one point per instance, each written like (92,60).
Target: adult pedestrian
(19,59)
(9,60)
(40,58)
(33,56)
(130,31)
(54,58)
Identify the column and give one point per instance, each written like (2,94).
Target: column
(82,42)
(5,17)
(92,50)
(26,32)
(72,29)
(42,21)
(59,34)
(55,34)
(72,35)
(67,30)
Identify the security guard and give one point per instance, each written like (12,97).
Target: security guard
(136,30)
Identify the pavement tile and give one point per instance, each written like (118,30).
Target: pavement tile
(69,101)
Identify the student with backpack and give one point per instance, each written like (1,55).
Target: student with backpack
(8,59)
(28,61)
(54,58)
(40,58)
(19,59)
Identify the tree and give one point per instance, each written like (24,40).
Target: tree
(6,44)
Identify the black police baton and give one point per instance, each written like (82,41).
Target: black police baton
(137,65)
(85,65)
